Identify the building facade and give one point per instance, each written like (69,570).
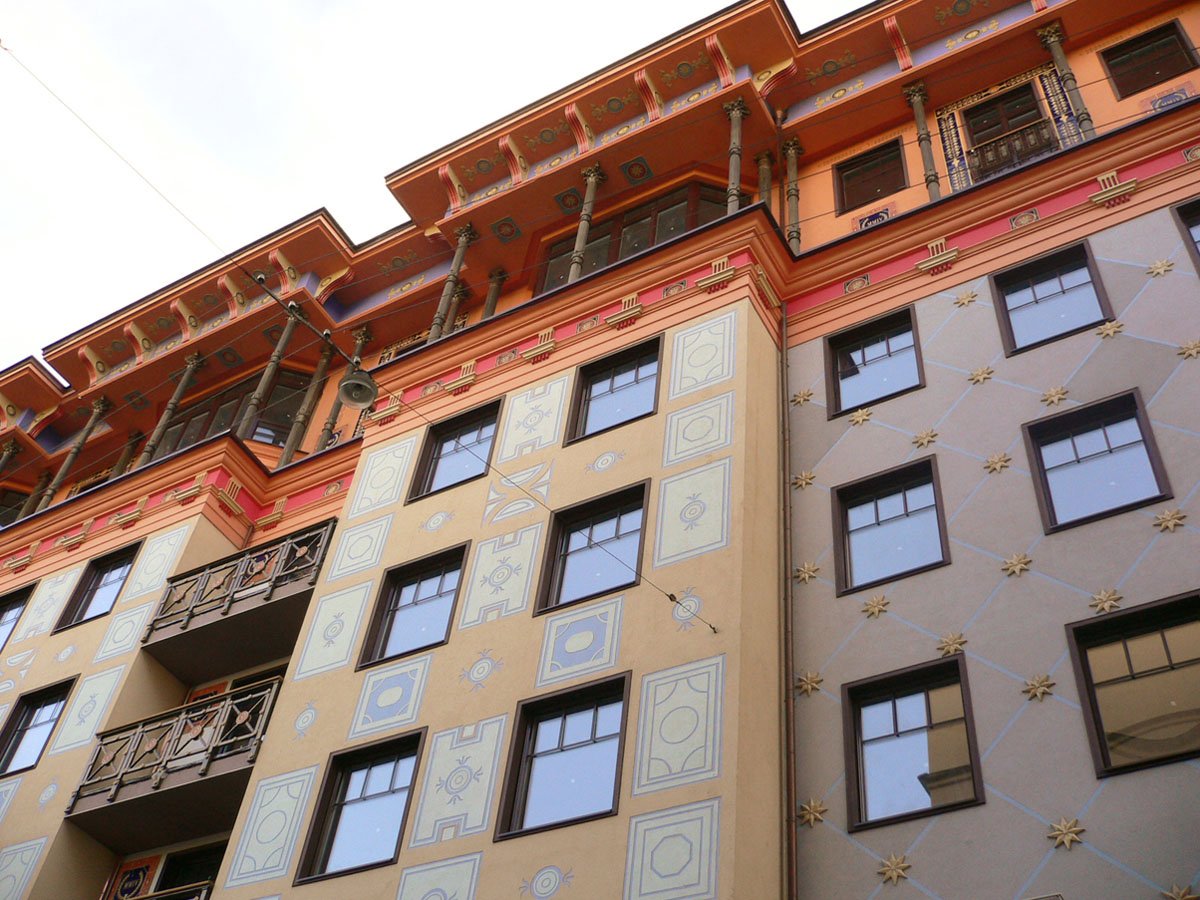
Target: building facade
(781,482)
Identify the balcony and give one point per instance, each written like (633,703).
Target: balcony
(1011,150)
(202,890)
(174,776)
(204,621)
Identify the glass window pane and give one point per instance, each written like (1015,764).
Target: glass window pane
(635,237)
(860,384)
(595,254)
(29,746)
(379,778)
(1107,661)
(1101,483)
(918,770)
(945,703)
(1058,314)
(876,719)
(1127,431)
(1151,717)
(1056,453)
(418,625)
(861,515)
(910,712)
(367,831)
(578,727)
(896,546)
(573,783)
(890,506)
(671,221)
(1089,443)
(1147,652)
(548,733)
(604,530)
(919,497)
(608,719)
(1184,641)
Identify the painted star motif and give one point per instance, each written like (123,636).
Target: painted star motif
(1190,350)
(925,438)
(894,868)
(951,643)
(801,397)
(803,480)
(997,463)
(813,812)
(1055,396)
(808,682)
(1159,268)
(876,606)
(1110,329)
(1169,519)
(1016,564)
(966,298)
(980,375)
(1105,601)
(1038,688)
(1066,832)
(806,572)
(859,416)
(1180,893)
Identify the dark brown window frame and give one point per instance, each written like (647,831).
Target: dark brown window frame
(864,158)
(996,99)
(316,843)
(1040,431)
(1125,623)
(516,775)
(551,580)
(577,417)
(424,470)
(855,334)
(371,649)
(12,598)
(922,676)
(896,478)
(997,282)
(1182,213)
(1180,33)
(87,583)
(20,707)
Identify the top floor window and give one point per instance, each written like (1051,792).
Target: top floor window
(10,505)
(1148,59)
(869,176)
(998,116)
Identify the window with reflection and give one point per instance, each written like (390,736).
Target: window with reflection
(1141,672)
(869,176)
(457,451)
(29,728)
(97,590)
(891,525)
(999,115)
(1096,460)
(597,548)
(616,390)
(11,607)
(416,606)
(873,361)
(1148,59)
(913,744)
(1049,298)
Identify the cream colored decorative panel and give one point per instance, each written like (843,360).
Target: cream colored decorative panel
(580,641)
(360,548)
(703,355)
(268,839)
(456,797)
(123,632)
(155,563)
(509,495)
(679,728)
(693,513)
(532,419)
(45,606)
(334,631)
(455,878)
(501,576)
(698,429)
(89,705)
(672,853)
(7,789)
(383,477)
(17,863)
(390,698)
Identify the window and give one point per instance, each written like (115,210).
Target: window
(191,867)
(28,729)
(1049,298)
(1094,461)
(616,390)
(1007,112)
(457,451)
(11,607)
(566,759)
(889,525)
(869,176)
(416,606)
(360,817)
(1140,673)
(1188,219)
(631,232)
(597,548)
(1148,59)
(873,361)
(911,742)
(11,503)
(97,590)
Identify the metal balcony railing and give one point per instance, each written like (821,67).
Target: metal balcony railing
(254,573)
(1012,149)
(189,737)
(202,890)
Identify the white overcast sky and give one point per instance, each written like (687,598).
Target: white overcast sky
(250,114)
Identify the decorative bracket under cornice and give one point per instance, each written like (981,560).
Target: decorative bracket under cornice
(940,259)
(1113,191)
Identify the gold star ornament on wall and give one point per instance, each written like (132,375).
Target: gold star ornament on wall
(980,375)
(808,682)
(1038,688)
(806,572)
(1159,268)
(1055,396)
(1066,833)
(966,298)
(924,438)
(801,397)
(1179,893)
(997,463)
(1190,350)
(813,812)
(1105,601)
(1169,519)
(860,416)
(1110,329)
(951,643)
(1016,564)
(894,868)
(803,480)
(875,607)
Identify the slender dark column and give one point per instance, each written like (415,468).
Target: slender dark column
(32,501)
(10,449)
(194,362)
(916,96)
(1052,38)
(737,110)
(461,293)
(465,236)
(307,405)
(122,462)
(593,177)
(100,406)
(764,160)
(246,426)
(496,279)
(362,337)
(791,152)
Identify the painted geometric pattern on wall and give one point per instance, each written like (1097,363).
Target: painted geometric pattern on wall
(455,878)
(456,797)
(155,563)
(46,604)
(334,630)
(672,853)
(89,705)
(698,429)
(123,632)
(509,495)
(679,730)
(501,576)
(360,548)
(383,477)
(268,839)
(532,420)
(580,641)
(693,513)
(703,355)
(390,697)
(7,789)
(17,863)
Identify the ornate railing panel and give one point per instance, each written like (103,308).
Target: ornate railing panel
(200,891)
(190,737)
(254,573)
(1011,150)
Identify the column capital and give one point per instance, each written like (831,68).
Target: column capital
(594,174)
(194,361)
(101,405)
(736,107)
(461,291)
(362,335)
(915,92)
(466,234)
(498,275)
(765,157)
(791,147)
(10,447)
(1051,34)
